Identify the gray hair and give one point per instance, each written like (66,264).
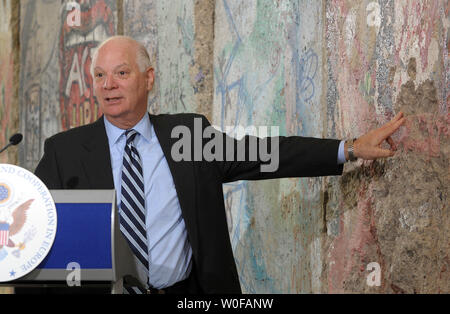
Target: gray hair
(142,56)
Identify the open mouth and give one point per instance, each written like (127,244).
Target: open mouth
(112,100)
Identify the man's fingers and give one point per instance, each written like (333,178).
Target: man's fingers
(391,127)
(385,153)
(389,124)
(391,143)
(398,116)
(368,146)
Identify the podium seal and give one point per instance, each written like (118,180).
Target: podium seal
(27,222)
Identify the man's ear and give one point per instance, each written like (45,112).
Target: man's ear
(150,74)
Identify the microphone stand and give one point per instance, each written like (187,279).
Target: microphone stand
(14,140)
(4,148)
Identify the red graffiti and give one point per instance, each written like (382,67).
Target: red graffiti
(432,129)
(77,102)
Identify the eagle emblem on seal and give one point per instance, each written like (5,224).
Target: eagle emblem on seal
(9,228)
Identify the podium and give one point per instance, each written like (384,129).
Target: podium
(88,249)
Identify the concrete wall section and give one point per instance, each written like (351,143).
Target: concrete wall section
(267,59)
(178,35)
(384,57)
(56,86)
(9,67)
(140,22)
(176,44)
(338,69)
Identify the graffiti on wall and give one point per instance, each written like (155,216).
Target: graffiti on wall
(55,90)
(385,57)
(380,57)
(176,44)
(250,89)
(76,44)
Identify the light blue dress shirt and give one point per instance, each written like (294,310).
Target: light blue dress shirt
(341,153)
(169,251)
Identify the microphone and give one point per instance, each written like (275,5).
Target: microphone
(13,140)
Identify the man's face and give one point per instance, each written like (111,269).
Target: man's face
(121,89)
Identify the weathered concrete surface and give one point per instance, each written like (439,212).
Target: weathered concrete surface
(393,212)
(202,73)
(179,37)
(140,22)
(345,67)
(175,21)
(9,70)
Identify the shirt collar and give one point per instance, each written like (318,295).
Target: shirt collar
(143,127)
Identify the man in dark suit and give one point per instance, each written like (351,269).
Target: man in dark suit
(185,246)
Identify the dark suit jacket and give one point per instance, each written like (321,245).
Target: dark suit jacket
(80,159)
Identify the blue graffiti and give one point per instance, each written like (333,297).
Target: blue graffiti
(306,72)
(246,101)
(223,88)
(305,64)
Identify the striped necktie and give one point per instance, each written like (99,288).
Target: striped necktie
(132,206)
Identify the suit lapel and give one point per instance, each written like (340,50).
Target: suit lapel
(96,159)
(183,176)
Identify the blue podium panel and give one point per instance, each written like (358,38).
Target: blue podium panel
(86,234)
(83,236)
